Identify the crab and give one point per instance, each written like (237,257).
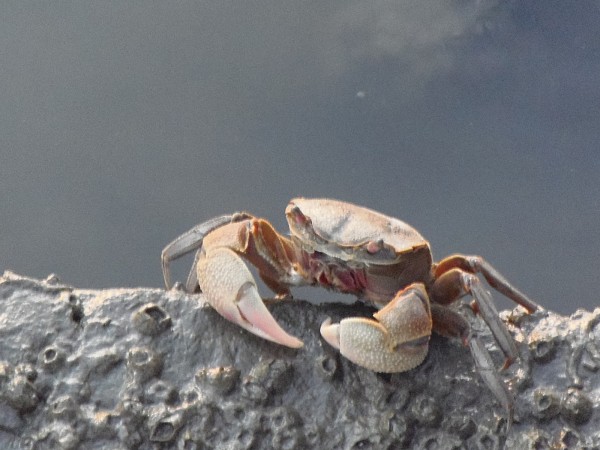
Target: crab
(354,250)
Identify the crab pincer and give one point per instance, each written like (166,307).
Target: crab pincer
(396,341)
(229,287)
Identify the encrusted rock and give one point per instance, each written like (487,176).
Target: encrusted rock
(326,366)
(151,319)
(426,411)
(17,387)
(144,368)
(51,358)
(144,362)
(161,391)
(542,348)
(546,404)
(64,408)
(218,379)
(577,407)
(165,428)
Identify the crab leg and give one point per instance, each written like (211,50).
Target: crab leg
(476,264)
(449,323)
(396,341)
(455,277)
(192,240)
(229,287)
(456,283)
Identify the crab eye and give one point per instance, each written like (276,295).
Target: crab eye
(299,216)
(374,246)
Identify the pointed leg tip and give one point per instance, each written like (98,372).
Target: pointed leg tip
(507,363)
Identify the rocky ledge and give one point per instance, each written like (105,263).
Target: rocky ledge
(149,369)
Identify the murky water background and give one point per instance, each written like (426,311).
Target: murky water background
(123,124)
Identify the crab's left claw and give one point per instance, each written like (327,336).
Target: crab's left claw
(229,287)
(396,341)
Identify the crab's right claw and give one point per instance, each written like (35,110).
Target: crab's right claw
(229,287)
(395,342)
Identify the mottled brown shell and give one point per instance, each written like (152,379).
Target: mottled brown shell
(351,232)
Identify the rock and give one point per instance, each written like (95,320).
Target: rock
(149,369)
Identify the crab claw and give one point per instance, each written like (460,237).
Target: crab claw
(396,341)
(229,287)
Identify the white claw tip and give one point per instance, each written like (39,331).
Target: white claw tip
(331,333)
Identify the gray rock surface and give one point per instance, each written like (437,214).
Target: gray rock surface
(149,369)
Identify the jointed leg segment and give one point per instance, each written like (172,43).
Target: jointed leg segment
(192,240)
(455,277)
(449,323)
(476,264)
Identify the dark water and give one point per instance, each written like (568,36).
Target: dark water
(124,124)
